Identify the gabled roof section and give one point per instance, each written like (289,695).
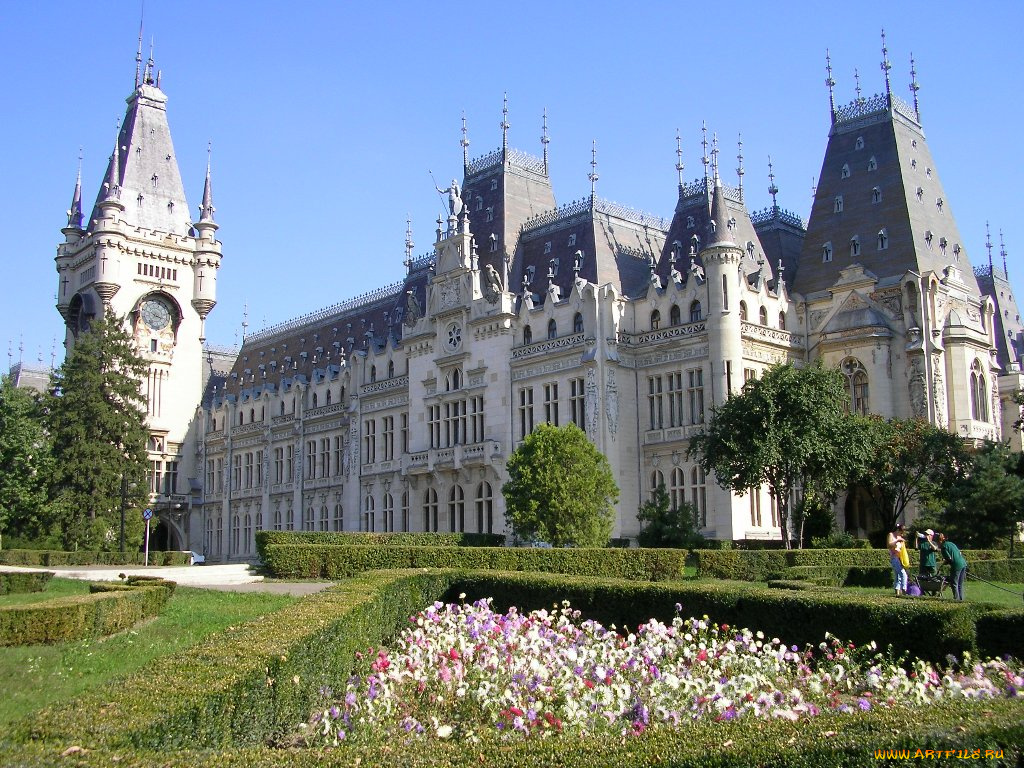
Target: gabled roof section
(147,167)
(1008,329)
(879,201)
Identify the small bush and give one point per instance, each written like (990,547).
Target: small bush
(32,581)
(49,558)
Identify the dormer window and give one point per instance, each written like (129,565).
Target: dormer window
(490,213)
(494,185)
(826,252)
(920,194)
(479,203)
(572,239)
(913,162)
(872,164)
(859,144)
(838,204)
(655,320)
(690,223)
(939,203)
(956,251)
(928,237)
(547,247)
(942,245)
(845,173)
(493,243)
(883,239)
(876,195)
(854,246)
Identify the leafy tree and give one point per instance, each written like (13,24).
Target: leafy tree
(986,505)
(787,430)
(96,416)
(668,526)
(911,460)
(25,461)
(560,489)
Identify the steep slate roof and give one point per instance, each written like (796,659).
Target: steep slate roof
(1008,330)
(153,199)
(912,205)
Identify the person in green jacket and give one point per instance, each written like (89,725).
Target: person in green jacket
(957,565)
(928,548)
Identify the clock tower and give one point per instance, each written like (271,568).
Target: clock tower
(140,254)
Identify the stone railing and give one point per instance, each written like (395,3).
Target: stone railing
(457,456)
(248,429)
(773,335)
(661,334)
(548,345)
(670,434)
(515,157)
(398,382)
(704,187)
(323,410)
(774,213)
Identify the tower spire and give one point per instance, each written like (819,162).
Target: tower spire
(544,140)
(593,171)
(504,129)
(138,54)
(465,145)
(409,245)
(75,213)
(739,159)
(856,80)
(830,84)
(112,183)
(988,247)
(714,154)
(679,160)
(886,66)
(206,210)
(1002,252)
(914,87)
(704,144)
(147,75)
(772,189)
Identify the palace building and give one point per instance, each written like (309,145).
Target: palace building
(397,410)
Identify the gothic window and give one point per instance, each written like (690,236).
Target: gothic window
(388,510)
(979,393)
(456,509)
(368,516)
(674,317)
(762,316)
(838,204)
(845,173)
(391,370)
(859,143)
(337,524)
(826,252)
(677,488)
(743,311)
(373,373)
(883,239)
(725,292)
(876,195)
(314,399)
(527,335)
(657,480)
(854,246)
(552,329)
(252,415)
(547,247)
(856,385)
(695,312)
(494,185)
(698,497)
(479,203)
(782,321)
(484,508)
(655,320)
(577,323)
(328,396)
(872,164)
(690,224)
(572,239)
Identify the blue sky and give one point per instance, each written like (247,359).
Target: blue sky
(327,117)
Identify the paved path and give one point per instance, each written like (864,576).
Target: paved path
(236,577)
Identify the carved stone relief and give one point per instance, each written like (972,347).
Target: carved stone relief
(918,395)
(939,390)
(591,404)
(612,403)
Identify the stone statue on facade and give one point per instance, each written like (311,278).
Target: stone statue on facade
(413,310)
(455,204)
(492,284)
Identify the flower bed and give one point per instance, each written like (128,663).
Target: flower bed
(466,672)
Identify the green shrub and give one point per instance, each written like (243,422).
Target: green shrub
(842,576)
(48,558)
(1006,571)
(321,561)
(106,610)
(1001,632)
(361,538)
(30,581)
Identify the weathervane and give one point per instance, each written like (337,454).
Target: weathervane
(544,140)
(593,170)
(679,159)
(772,189)
(830,83)
(914,87)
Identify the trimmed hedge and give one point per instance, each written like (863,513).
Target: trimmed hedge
(109,608)
(236,690)
(1007,571)
(761,565)
(363,538)
(48,558)
(13,582)
(840,576)
(325,561)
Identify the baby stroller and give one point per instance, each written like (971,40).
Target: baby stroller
(930,583)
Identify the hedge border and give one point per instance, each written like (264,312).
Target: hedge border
(365,538)
(15,582)
(48,558)
(238,687)
(107,609)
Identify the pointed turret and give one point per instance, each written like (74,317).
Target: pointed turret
(110,193)
(206,209)
(721,225)
(74,228)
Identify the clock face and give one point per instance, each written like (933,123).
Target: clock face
(155,314)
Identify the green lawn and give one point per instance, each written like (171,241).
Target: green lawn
(974,592)
(54,588)
(36,676)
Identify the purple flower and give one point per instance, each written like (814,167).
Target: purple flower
(864,704)
(334,712)
(350,699)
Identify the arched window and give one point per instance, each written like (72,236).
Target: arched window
(282,407)
(577,323)
(338,523)
(277,519)
(552,329)
(309,520)
(657,480)
(782,321)
(655,320)
(391,369)
(876,194)
(695,312)
(456,509)
(762,316)
(368,515)
(252,415)
(743,311)
(484,509)
(388,508)
(856,385)
(837,205)
(405,510)
(247,534)
(453,381)
(328,396)
(314,399)
(430,510)
(236,534)
(698,497)
(677,489)
(675,316)
(883,239)
(725,292)
(527,335)
(373,373)
(979,393)
(325,519)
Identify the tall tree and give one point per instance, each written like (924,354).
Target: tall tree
(25,462)
(97,421)
(788,430)
(560,489)
(911,460)
(986,504)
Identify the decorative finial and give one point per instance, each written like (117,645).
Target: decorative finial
(1002,252)
(886,66)
(465,145)
(714,154)
(679,160)
(704,144)
(147,75)
(856,79)
(830,84)
(814,188)
(781,270)
(408,244)
(988,247)
(772,189)
(593,170)
(245,320)
(544,140)
(138,55)
(504,129)
(206,210)
(914,87)
(739,158)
